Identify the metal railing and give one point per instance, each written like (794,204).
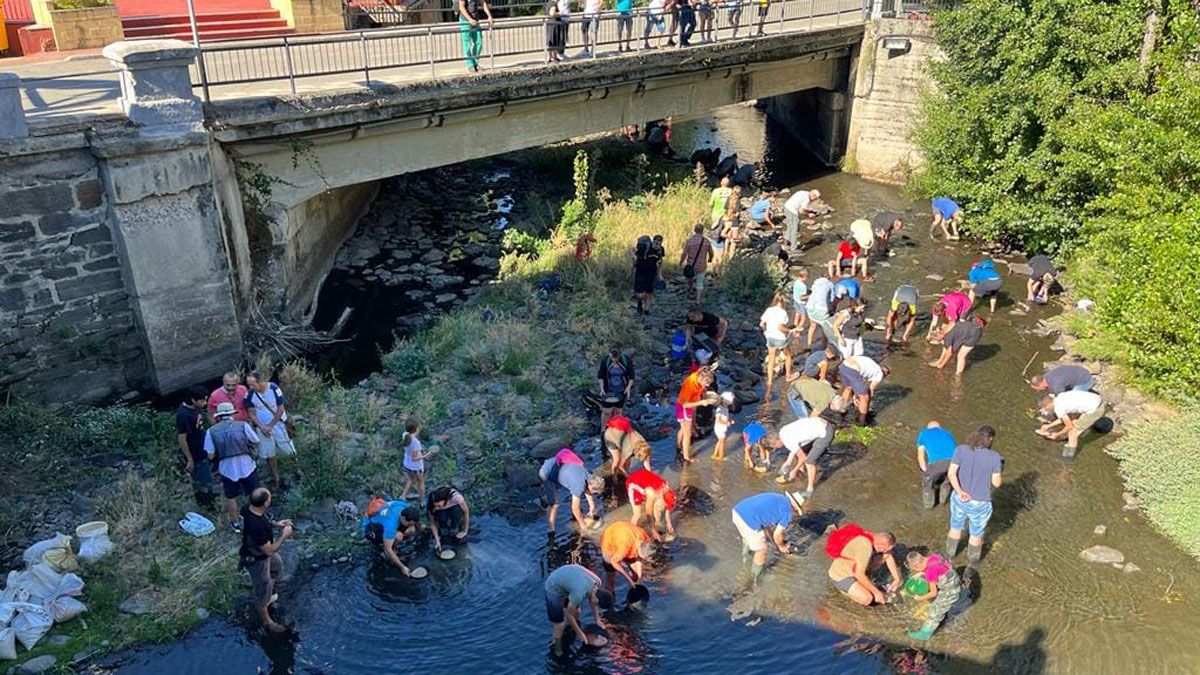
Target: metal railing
(428,51)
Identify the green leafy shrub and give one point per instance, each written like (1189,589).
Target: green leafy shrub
(750,279)
(1160,463)
(408,362)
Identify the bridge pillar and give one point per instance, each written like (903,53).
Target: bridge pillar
(158,179)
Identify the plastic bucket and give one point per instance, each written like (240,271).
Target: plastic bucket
(95,528)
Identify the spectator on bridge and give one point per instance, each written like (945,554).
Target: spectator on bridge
(470,13)
(564,15)
(705,10)
(733,9)
(556,30)
(671,7)
(624,25)
(763,7)
(687,22)
(590,26)
(655,22)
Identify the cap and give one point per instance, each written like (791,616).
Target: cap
(727,396)
(620,422)
(797,500)
(225,409)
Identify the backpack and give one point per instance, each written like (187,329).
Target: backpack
(842,536)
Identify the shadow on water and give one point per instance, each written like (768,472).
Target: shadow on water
(982,353)
(1011,498)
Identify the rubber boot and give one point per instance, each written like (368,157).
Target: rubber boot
(951,547)
(924,633)
(974,553)
(944,493)
(745,552)
(756,571)
(927,498)
(1068,452)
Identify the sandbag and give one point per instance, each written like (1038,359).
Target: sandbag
(13,592)
(8,644)
(32,624)
(55,551)
(94,543)
(69,584)
(8,610)
(65,608)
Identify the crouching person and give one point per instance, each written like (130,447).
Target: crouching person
(387,523)
(567,588)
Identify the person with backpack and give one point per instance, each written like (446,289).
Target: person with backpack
(387,523)
(646,260)
(767,514)
(624,444)
(697,253)
(615,375)
(266,407)
(974,471)
(856,553)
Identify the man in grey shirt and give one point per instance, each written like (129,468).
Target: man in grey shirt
(974,471)
(1062,378)
(566,590)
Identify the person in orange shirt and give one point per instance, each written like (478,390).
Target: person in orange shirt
(624,547)
(692,394)
(230,391)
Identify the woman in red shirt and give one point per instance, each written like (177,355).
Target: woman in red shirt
(847,258)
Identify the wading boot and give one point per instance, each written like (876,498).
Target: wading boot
(951,547)
(974,553)
(1068,452)
(944,492)
(927,499)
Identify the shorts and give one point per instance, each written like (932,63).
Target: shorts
(843,263)
(853,379)
(245,486)
(698,281)
(978,513)
(850,348)
(718,244)
(819,315)
(819,446)
(657,22)
(844,584)
(987,288)
(555,609)
(720,430)
(799,308)
(262,578)
(625,21)
(277,443)
(609,567)
(1086,421)
(644,282)
(777,343)
(755,540)
(734,13)
(683,414)
(896,305)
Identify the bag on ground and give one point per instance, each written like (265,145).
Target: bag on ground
(39,583)
(8,644)
(55,552)
(94,543)
(31,624)
(65,608)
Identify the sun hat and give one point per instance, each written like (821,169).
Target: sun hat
(797,499)
(225,409)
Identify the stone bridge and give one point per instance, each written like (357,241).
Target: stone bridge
(135,249)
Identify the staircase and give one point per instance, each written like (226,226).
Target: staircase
(225,25)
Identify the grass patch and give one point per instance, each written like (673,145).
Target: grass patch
(1160,465)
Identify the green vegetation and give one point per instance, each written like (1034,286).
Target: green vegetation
(1159,463)
(1069,126)
(81,4)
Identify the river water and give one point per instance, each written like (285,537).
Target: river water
(1035,605)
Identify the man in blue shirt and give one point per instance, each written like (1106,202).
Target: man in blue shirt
(948,215)
(387,523)
(763,513)
(985,282)
(935,449)
(846,288)
(760,211)
(974,471)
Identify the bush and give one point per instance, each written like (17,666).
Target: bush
(1160,463)
(408,362)
(27,427)
(751,280)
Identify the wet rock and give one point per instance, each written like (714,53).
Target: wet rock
(38,664)
(520,477)
(433,256)
(1130,568)
(444,298)
(1100,530)
(136,605)
(1131,501)
(474,454)
(747,397)
(741,608)
(83,655)
(1102,555)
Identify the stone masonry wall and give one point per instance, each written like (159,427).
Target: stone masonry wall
(886,101)
(66,329)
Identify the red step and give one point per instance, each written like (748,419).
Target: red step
(211,26)
(207,17)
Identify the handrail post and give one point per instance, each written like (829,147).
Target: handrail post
(287,59)
(491,35)
(546,41)
(812,13)
(429,47)
(362,41)
(782,13)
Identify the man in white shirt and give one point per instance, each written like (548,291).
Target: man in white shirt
(1075,412)
(591,26)
(806,440)
(795,208)
(861,375)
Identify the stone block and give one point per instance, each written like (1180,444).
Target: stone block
(40,199)
(135,178)
(15,232)
(89,194)
(59,273)
(54,224)
(156,86)
(12,115)
(12,299)
(79,287)
(109,263)
(93,235)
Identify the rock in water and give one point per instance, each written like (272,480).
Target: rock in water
(741,608)
(1130,568)
(935,277)
(1100,530)
(1102,554)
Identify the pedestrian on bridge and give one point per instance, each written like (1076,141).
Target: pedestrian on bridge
(470,14)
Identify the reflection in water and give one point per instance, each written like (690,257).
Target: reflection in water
(1043,609)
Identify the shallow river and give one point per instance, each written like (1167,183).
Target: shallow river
(1037,607)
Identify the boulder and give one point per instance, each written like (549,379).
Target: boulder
(547,448)
(37,665)
(520,476)
(1103,555)
(136,605)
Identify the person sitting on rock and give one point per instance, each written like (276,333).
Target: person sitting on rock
(386,524)
(566,470)
(944,588)
(704,330)
(624,444)
(448,512)
(1075,412)
(650,494)
(846,262)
